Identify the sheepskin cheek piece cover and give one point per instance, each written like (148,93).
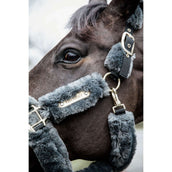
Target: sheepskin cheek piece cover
(114,60)
(49,147)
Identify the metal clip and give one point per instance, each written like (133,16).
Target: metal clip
(116,100)
(114,94)
(42,120)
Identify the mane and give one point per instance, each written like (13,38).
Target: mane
(86,17)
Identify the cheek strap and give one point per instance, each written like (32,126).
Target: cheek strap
(119,60)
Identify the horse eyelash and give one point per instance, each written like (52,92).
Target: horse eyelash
(60,57)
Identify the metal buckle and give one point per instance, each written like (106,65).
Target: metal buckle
(42,120)
(123,45)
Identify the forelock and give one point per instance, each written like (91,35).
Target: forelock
(86,17)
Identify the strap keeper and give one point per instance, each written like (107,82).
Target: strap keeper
(119,109)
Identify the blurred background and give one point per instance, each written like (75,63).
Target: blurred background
(47,26)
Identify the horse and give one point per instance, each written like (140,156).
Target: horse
(94,29)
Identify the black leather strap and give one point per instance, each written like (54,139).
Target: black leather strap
(119,111)
(127,60)
(125,67)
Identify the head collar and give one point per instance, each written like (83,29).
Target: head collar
(77,97)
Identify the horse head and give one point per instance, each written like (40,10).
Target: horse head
(94,29)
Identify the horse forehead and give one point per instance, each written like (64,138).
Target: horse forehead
(100,36)
(103,38)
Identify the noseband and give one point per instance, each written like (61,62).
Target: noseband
(81,95)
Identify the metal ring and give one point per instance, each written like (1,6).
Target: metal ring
(106,74)
(109,73)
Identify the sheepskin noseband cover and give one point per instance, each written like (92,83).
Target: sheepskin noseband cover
(57,105)
(75,97)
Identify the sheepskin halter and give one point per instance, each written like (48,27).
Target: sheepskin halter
(79,96)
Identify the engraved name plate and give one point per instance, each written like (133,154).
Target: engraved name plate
(79,96)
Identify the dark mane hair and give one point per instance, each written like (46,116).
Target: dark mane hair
(86,17)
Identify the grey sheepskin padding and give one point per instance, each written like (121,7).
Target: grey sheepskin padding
(136,19)
(33,101)
(114,59)
(53,155)
(123,139)
(93,83)
(50,149)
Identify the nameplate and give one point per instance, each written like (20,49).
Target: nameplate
(79,96)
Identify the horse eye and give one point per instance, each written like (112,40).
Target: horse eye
(71,56)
